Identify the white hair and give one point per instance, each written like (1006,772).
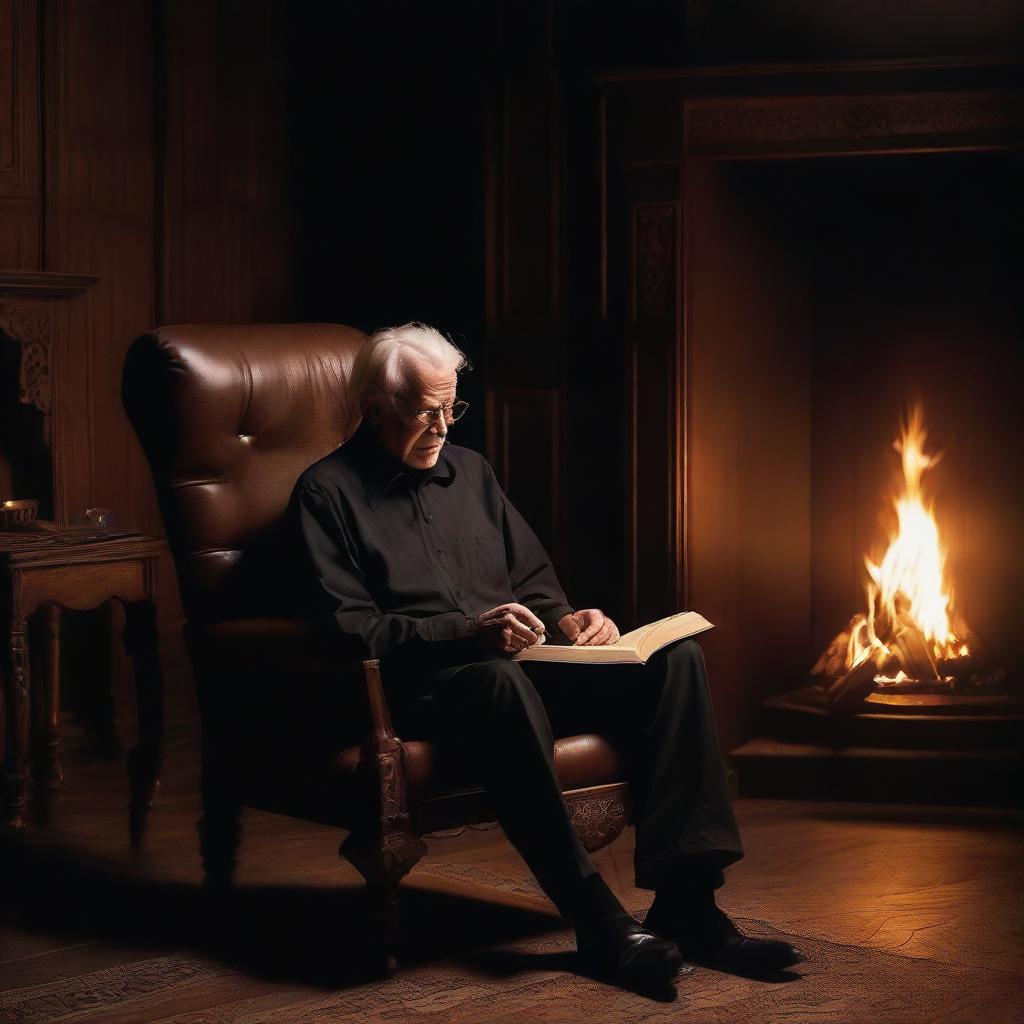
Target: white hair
(383,362)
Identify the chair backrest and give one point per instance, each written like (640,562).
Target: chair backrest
(229,416)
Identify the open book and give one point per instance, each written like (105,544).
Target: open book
(632,648)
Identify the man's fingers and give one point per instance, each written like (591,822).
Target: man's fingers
(519,611)
(570,627)
(513,643)
(593,627)
(516,628)
(526,617)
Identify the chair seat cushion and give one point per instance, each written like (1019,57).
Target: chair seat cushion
(580,761)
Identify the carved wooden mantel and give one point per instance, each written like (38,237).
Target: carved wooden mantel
(32,314)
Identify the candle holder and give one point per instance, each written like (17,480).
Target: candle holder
(18,513)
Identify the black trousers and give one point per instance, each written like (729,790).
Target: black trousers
(504,716)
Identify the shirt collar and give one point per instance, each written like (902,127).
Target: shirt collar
(381,470)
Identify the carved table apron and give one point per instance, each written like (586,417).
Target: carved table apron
(47,575)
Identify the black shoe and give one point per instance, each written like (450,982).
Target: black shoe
(710,938)
(620,950)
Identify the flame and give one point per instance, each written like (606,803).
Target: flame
(909,582)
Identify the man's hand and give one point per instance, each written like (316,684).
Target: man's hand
(589,628)
(510,628)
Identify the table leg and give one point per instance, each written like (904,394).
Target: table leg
(54,774)
(145,760)
(16,692)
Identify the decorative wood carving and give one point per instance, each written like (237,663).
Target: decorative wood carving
(723,125)
(599,814)
(31,326)
(654,240)
(387,847)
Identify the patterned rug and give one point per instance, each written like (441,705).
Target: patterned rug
(528,980)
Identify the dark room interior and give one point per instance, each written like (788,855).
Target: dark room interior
(740,288)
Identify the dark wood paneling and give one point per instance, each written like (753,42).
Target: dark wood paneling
(20,158)
(654,381)
(224,253)
(164,175)
(532,455)
(107,204)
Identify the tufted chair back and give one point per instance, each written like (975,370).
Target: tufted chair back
(229,416)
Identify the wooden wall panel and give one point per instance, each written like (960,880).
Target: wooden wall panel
(531,433)
(107,207)
(654,384)
(20,155)
(748,328)
(224,252)
(527,352)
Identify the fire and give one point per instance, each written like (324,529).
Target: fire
(907,625)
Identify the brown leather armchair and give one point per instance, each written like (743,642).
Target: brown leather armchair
(293,720)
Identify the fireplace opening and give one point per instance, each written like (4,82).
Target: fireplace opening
(826,297)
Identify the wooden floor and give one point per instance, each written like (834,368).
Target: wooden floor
(926,884)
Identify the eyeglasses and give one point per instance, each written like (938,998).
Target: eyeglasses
(451,412)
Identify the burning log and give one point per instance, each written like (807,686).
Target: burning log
(832,662)
(911,650)
(850,689)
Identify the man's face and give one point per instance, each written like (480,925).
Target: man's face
(416,444)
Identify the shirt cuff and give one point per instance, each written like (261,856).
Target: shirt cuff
(446,626)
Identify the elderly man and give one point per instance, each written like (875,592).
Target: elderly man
(419,552)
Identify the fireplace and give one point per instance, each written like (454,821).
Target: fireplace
(848,250)
(895,283)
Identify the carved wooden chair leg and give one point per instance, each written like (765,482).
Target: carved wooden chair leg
(387,848)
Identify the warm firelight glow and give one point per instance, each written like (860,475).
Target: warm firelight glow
(908,587)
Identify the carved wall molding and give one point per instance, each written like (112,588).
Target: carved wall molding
(654,239)
(31,325)
(727,125)
(40,284)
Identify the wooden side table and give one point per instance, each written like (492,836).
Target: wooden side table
(76,568)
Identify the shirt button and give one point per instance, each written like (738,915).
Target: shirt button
(440,553)
(429,518)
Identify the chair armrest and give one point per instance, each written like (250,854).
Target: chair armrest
(387,849)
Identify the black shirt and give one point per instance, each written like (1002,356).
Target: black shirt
(407,558)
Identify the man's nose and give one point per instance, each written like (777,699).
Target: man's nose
(440,426)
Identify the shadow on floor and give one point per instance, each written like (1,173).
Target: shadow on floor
(294,934)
